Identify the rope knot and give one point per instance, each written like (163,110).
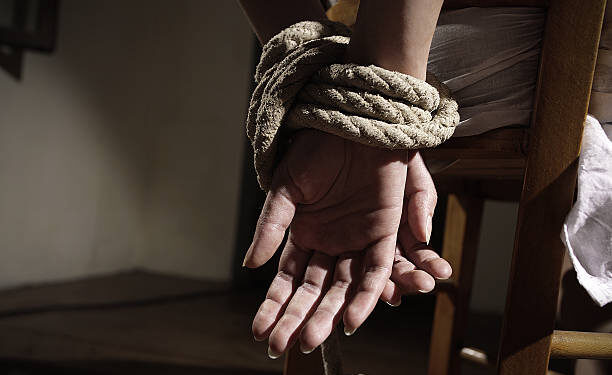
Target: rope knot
(302,83)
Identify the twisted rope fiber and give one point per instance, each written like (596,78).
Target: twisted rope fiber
(302,83)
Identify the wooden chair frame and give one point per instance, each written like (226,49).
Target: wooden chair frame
(567,64)
(542,161)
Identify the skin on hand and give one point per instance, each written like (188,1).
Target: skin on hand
(344,202)
(416,264)
(340,197)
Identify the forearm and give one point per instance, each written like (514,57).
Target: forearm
(395,35)
(269,17)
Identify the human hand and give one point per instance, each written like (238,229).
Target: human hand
(339,197)
(308,277)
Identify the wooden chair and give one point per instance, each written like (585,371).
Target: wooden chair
(544,159)
(536,166)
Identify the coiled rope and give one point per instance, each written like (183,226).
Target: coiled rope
(302,83)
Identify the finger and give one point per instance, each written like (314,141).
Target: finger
(408,278)
(392,294)
(375,271)
(423,256)
(316,280)
(291,269)
(276,216)
(329,312)
(421,194)
(429,261)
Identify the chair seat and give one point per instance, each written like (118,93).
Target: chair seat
(499,153)
(489,165)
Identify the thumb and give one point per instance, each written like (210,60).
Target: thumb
(422,198)
(276,216)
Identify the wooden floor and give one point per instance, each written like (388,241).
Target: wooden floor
(147,323)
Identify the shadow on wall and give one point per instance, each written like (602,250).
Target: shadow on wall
(123,149)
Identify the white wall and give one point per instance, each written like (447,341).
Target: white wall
(123,148)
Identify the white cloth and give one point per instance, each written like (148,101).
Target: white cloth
(488,57)
(587,232)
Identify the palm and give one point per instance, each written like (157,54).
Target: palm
(351,195)
(344,203)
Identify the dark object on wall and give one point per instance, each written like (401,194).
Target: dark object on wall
(26,25)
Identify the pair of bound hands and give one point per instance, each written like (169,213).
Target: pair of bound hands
(360,221)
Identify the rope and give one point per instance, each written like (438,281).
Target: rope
(331,356)
(301,83)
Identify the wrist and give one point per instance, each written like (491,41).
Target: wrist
(366,52)
(394,34)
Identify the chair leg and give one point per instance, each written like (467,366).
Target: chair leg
(533,285)
(461,234)
(567,63)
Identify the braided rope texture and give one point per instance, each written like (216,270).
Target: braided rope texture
(302,83)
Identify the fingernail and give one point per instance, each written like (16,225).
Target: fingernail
(392,305)
(272,354)
(423,291)
(246,257)
(349,332)
(306,351)
(429,227)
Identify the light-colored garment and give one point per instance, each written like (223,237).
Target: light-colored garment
(587,232)
(488,57)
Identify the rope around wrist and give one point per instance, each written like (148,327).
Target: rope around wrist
(301,83)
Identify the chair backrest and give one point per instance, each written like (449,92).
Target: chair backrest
(567,65)
(548,151)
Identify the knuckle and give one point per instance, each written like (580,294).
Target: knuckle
(433,196)
(285,276)
(267,224)
(341,284)
(379,270)
(311,287)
